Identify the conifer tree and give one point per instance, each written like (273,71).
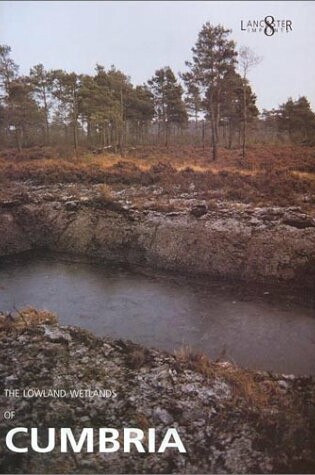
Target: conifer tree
(298,120)
(169,106)
(65,88)
(214,56)
(41,82)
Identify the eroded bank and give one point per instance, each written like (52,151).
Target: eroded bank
(231,241)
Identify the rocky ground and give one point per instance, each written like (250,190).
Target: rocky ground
(230,420)
(142,226)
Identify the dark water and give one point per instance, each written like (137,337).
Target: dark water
(165,312)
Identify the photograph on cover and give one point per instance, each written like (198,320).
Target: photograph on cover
(157,237)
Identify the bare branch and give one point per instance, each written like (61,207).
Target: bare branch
(247,60)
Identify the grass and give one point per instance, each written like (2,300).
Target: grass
(242,382)
(29,316)
(105,193)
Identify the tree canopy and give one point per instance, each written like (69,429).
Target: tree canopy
(214,56)
(169,107)
(212,99)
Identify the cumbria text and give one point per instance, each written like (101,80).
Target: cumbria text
(108,440)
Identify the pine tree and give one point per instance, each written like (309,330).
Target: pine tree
(140,111)
(22,113)
(65,88)
(232,106)
(169,106)
(298,119)
(214,56)
(41,82)
(8,69)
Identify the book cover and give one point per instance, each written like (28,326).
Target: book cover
(157,237)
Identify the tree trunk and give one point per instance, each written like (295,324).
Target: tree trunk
(66,133)
(244,123)
(75,137)
(213,140)
(46,110)
(167,134)
(88,131)
(112,135)
(213,130)
(230,140)
(203,134)
(75,120)
(121,140)
(108,128)
(104,136)
(141,133)
(18,139)
(217,123)
(47,130)
(126,133)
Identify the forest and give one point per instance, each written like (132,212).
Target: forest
(210,104)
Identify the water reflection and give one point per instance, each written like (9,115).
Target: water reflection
(164,312)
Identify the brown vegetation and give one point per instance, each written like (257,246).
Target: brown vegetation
(278,412)
(244,383)
(274,176)
(24,318)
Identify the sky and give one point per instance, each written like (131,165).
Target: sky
(139,37)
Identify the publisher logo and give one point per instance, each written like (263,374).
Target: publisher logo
(268,25)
